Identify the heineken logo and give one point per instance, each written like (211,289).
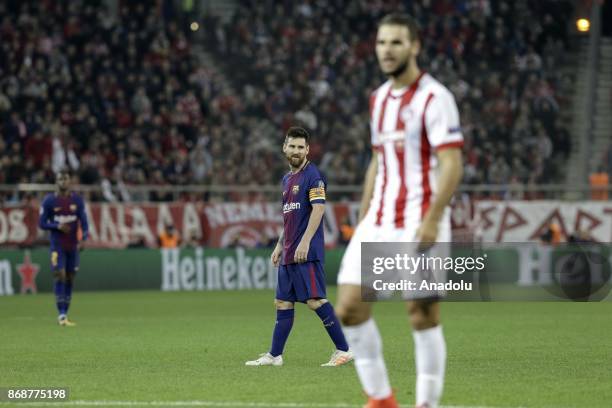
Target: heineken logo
(236,270)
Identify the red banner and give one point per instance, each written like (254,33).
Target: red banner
(18,225)
(256,224)
(215,225)
(121,225)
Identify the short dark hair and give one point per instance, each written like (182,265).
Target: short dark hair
(297,132)
(402,19)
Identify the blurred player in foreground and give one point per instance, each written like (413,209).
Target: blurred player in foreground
(63,213)
(415,168)
(300,252)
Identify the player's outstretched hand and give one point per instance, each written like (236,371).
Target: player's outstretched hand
(276,254)
(65,228)
(80,246)
(301,252)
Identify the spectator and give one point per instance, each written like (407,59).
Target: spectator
(552,235)
(599,182)
(169,238)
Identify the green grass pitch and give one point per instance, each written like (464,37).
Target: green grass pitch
(191,346)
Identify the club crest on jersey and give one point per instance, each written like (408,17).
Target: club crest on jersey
(57,209)
(73,207)
(407,113)
(295,189)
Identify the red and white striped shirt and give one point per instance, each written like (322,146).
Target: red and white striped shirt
(408,126)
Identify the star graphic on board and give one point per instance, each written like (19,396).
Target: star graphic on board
(28,271)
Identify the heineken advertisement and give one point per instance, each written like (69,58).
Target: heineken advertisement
(204,269)
(28,271)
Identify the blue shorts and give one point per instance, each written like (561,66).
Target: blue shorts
(299,282)
(62,260)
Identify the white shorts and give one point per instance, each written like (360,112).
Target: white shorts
(350,267)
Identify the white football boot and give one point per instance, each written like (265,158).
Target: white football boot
(339,358)
(266,359)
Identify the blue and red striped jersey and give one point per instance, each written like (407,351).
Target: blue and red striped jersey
(70,209)
(300,191)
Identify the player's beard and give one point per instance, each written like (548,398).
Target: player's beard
(399,70)
(295,161)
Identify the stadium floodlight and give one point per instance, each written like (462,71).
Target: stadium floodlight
(194,26)
(583,25)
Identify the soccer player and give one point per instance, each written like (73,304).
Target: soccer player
(62,213)
(415,168)
(300,251)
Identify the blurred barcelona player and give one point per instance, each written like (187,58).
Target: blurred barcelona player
(63,214)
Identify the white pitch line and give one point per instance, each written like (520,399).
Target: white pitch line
(218,404)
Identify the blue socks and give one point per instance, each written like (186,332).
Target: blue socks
(332,325)
(60,297)
(63,295)
(67,294)
(284,322)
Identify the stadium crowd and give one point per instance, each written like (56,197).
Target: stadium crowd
(113,98)
(313,62)
(123,99)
